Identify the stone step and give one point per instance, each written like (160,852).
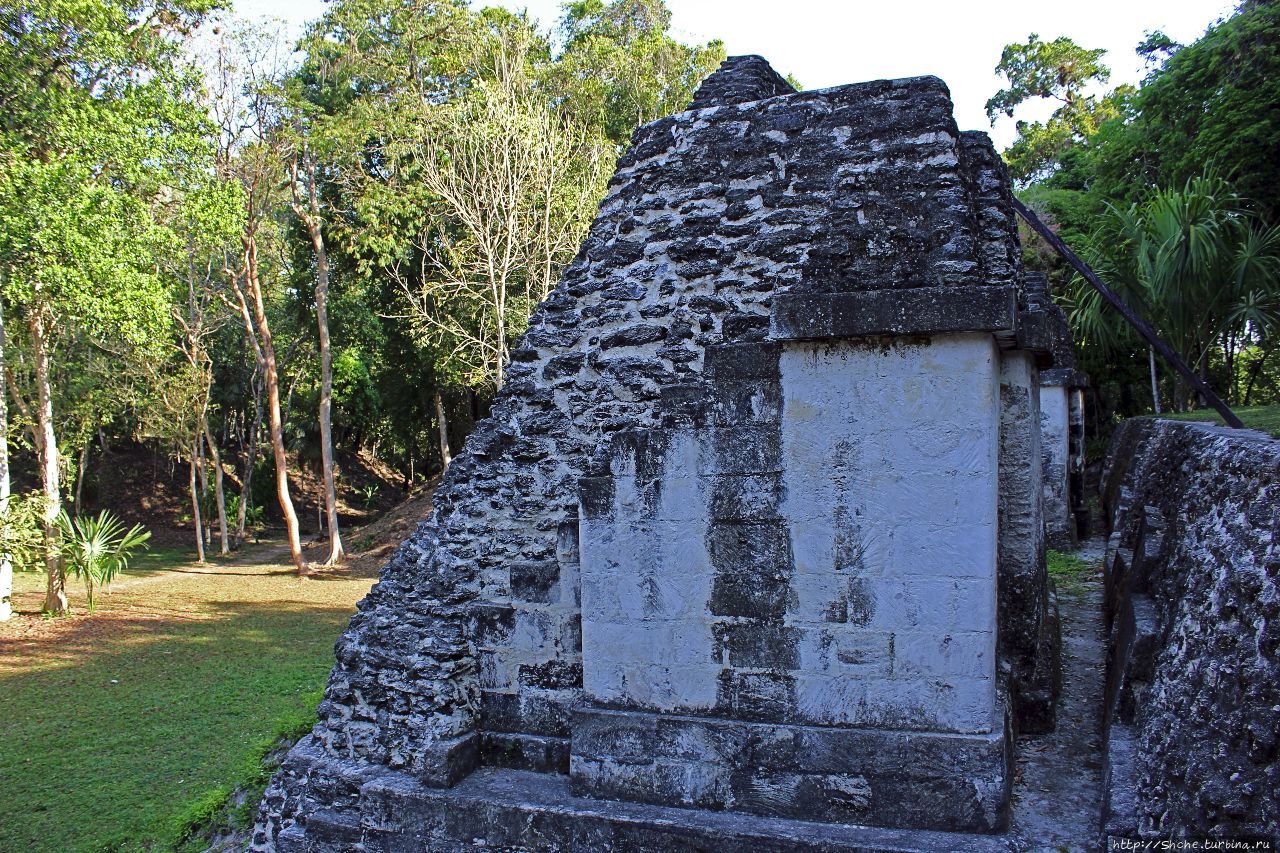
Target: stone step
(521,810)
(325,830)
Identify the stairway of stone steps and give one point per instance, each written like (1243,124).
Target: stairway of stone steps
(1057,793)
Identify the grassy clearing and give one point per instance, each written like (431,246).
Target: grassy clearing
(120,730)
(1069,572)
(1264,418)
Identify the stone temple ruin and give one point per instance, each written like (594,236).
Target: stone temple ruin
(751,552)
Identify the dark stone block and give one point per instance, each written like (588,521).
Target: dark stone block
(444,763)
(563,366)
(743,361)
(499,711)
(1035,335)
(750,591)
(552,675)
(745,497)
(683,404)
(492,624)
(627,738)
(596,494)
(750,449)
(768,696)
(746,402)
(525,752)
(535,581)
(745,327)
(641,453)
(905,311)
(756,644)
(636,335)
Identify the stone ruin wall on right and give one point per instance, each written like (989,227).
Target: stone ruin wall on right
(1193,598)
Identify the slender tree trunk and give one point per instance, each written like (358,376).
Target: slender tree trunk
(312,220)
(272,381)
(1229,356)
(1255,370)
(203,482)
(6,566)
(195,500)
(443,426)
(1155,382)
(1204,376)
(55,599)
(219,493)
(250,460)
(84,466)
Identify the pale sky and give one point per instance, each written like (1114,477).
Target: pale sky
(832,42)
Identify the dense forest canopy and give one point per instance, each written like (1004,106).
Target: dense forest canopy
(259,261)
(1169,189)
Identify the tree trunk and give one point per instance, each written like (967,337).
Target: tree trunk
(255,428)
(1254,370)
(271,379)
(219,493)
(203,482)
(55,599)
(1155,383)
(6,566)
(443,426)
(84,466)
(195,500)
(312,221)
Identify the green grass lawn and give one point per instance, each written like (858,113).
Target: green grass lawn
(1264,418)
(117,730)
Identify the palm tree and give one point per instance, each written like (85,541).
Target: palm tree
(98,549)
(1195,263)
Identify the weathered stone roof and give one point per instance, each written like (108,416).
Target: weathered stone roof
(740,79)
(858,187)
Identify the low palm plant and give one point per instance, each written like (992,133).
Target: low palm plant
(98,549)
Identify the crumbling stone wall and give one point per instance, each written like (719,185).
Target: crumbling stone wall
(1194,610)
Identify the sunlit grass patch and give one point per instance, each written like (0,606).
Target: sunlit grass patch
(1264,418)
(123,729)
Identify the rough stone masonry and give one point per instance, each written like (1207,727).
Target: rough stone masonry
(1193,599)
(752,542)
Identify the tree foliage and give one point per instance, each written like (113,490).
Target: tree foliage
(1059,70)
(1193,261)
(205,238)
(620,68)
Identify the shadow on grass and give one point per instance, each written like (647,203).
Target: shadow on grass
(109,747)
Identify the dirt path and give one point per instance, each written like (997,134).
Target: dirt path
(143,601)
(1057,795)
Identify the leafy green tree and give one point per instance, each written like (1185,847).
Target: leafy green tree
(620,67)
(1059,70)
(95,111)
(1213,105)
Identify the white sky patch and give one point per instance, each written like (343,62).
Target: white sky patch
(832,42)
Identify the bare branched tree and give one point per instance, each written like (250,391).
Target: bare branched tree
(515,185)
